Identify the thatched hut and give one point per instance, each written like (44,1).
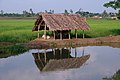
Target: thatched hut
(60,24)
(58,59)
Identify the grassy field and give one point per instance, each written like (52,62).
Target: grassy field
(20,31)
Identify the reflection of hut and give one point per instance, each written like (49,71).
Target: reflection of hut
(60,24)
(58,59)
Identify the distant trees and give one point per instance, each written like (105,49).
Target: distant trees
(30,13)
(66,12)
(71,11)
(104,14)
(2,13)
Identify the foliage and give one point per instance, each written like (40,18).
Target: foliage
(116,76)
(66,12)
(104,14)
(114,4)
(12,50)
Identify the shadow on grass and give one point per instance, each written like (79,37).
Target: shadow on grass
(115,31)
(81,36)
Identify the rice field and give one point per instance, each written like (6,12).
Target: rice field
(20,30)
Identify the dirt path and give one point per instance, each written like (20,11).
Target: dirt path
(50,43)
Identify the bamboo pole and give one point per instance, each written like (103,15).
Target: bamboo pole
(39,28)
(75,52)
(45,32)
(45,55)
(83,34)
(69,34)
(76,33)
(54,34)
(60,35)
(38,32)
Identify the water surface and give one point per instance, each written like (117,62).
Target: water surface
(102,61)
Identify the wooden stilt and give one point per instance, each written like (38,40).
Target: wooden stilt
(76,33)
(54,34)
(83,34)
(45,32)
(54,52)
(75,52)
(69,34)
(38,35)
(38,32)
(39,56)
(45,55)
(60,35)
(60,52)
(83,52)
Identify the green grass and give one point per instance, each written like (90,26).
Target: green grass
(16,31)
(20,31)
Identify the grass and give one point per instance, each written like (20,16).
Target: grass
(20,31)
(16,31)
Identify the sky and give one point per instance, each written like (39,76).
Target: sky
(17,6)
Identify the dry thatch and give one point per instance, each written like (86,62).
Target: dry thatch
(58,64)
(65,63)
(60,22)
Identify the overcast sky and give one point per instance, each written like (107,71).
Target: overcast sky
(17,6)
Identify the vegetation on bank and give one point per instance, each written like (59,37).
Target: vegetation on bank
(20,31)
(12,50)
(116,76)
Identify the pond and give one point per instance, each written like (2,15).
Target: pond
(73,63)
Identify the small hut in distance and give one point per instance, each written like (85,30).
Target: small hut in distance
(60,24)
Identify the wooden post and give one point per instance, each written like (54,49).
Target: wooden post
(76,33)
(83,52)
(60,53)
(75,52)
(69,34)
(83,34)
(39,56)
(38,32)
(60,35)
(54,34)
(45,32)
(53,52)
(45,55)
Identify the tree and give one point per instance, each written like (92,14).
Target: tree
(104,14)
(71,11)
(114,4)
(66,12)
(2,13)
(31,11)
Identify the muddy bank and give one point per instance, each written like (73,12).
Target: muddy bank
(50,43)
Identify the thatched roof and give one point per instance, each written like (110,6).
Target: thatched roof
(60,22)
(63,63)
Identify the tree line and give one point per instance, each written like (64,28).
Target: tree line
(30,13)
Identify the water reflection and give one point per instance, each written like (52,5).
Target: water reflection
(103,61)
(58,59)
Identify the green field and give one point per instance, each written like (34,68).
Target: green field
(20,31)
